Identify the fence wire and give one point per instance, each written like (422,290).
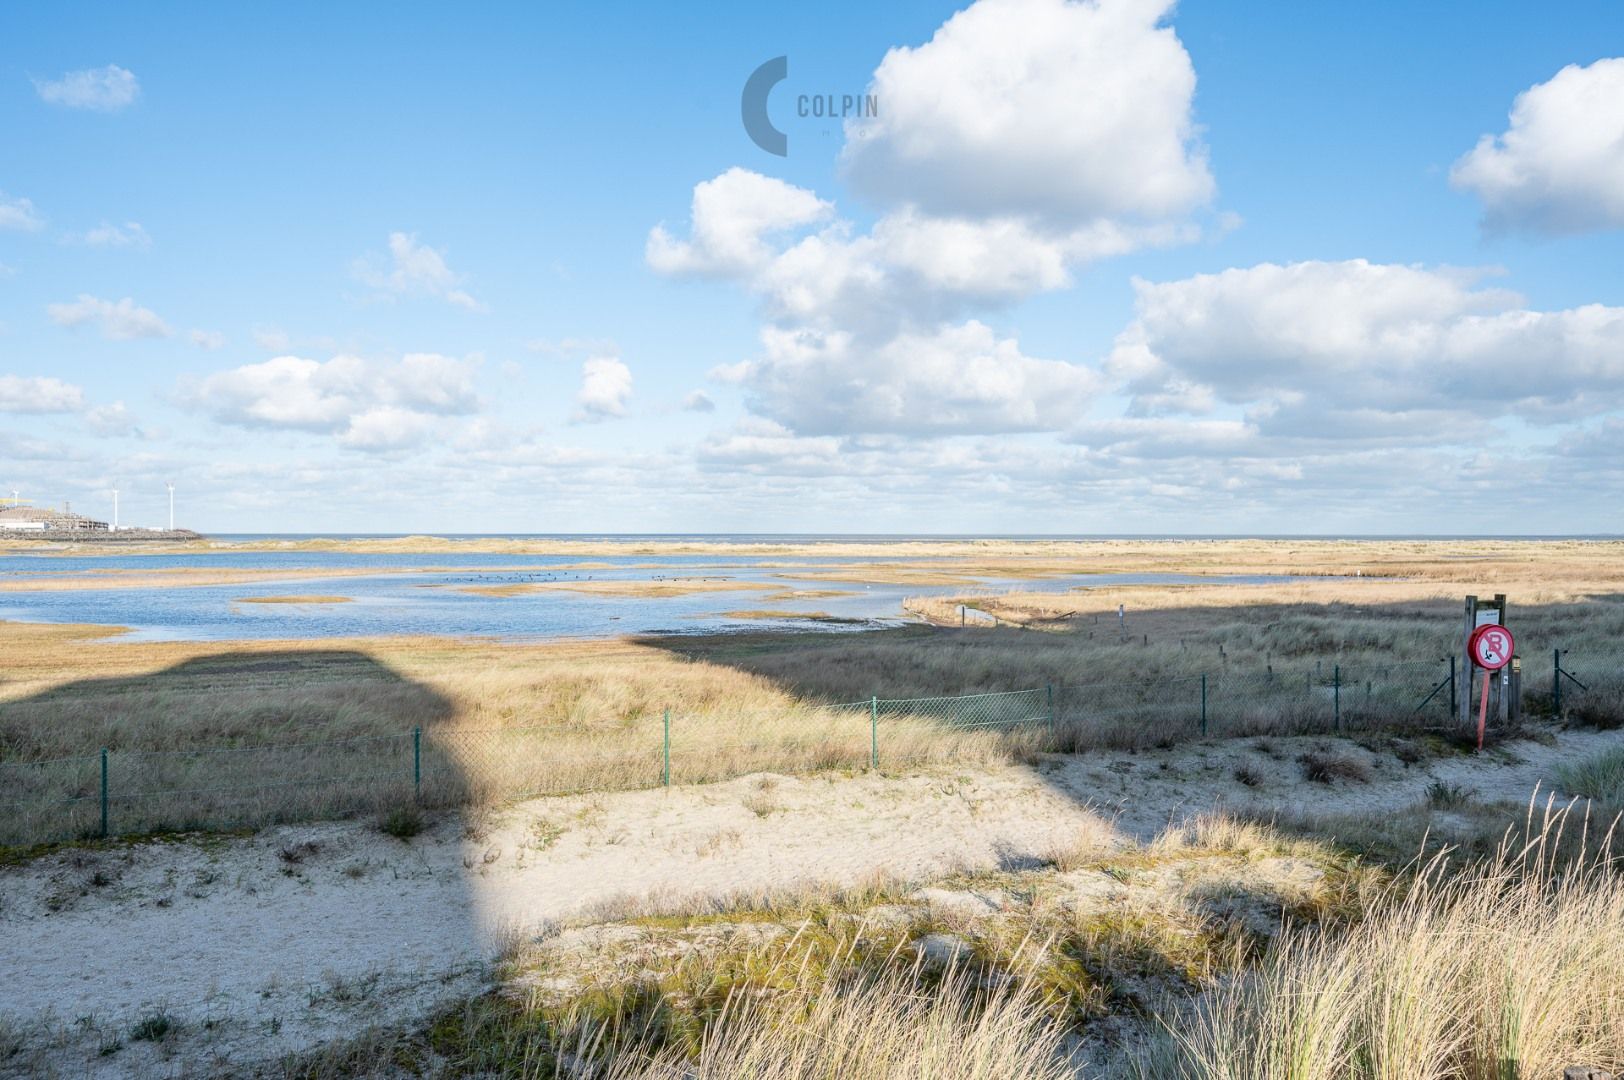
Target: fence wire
(136,791)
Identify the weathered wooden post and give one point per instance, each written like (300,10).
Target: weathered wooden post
(1464,716)
(1514,690)
(1502,678)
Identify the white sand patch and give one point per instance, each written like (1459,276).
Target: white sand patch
(258,946)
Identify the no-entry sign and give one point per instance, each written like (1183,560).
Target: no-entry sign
(1491,647)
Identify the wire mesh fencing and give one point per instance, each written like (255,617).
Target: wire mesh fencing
(1321,699)
(1586,688)
(130,791)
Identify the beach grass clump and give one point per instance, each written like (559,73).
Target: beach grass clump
(1599,776)
(403,822)
(1502,968)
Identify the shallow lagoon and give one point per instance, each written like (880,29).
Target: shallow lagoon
(388,595)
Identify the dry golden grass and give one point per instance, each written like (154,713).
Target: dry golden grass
(258,732)
(310,599)
(500,719)
(1507,969)
(882,979)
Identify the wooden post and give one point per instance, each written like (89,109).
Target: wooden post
(1502,678)
(1469,669)
(1514,691)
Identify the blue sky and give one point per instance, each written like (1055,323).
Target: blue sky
(391,269)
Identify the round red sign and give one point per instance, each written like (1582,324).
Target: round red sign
(1491,647)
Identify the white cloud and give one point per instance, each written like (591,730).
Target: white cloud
(287,392)
(951,381)
(1027,138)
(698,401)
(759,445)
(415,269)
(120,320)
(433,383)
(1559,167)
(208,339)
(386,429)
(369,405)
(130,234)
(19,213)
(606,384)
(862,334)
(1168,437)
(731,217)
(1360,349)
(106,89)
(113,420)
(1062,111)
(571,346)
(37,394)
(271,337)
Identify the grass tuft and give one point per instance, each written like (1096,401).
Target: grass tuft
(1507,968)
(1327,767)
(154,1027)
(1599,777)
(403,822)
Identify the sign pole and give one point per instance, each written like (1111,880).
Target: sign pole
(1491,649)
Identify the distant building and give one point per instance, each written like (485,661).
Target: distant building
(28,518)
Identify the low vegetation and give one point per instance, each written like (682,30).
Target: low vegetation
(322,731)
(1508,968)
(1239,970)
(979,975)
(1599,777)
(403,822)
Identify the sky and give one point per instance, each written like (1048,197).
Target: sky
(1115,266)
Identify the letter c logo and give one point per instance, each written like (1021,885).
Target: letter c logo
(753,106)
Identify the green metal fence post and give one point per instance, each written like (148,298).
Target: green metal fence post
(874,732)
(1203,703)
(1054,729)
(665,773)
(104,793)
(1336,695)
(1556,682)
(417,763)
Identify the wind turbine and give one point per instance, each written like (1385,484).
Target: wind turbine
(115,509)
(171,486)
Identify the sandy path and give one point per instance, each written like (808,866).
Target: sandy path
(266,944)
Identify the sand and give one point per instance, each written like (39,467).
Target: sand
(267,944)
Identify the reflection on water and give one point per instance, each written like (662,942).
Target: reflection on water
(388,596)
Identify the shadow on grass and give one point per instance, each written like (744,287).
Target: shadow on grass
(1179,673)
(230,740)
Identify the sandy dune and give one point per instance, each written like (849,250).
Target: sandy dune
(299,934)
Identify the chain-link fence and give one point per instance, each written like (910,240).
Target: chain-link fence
(118,791)
(1323,698)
